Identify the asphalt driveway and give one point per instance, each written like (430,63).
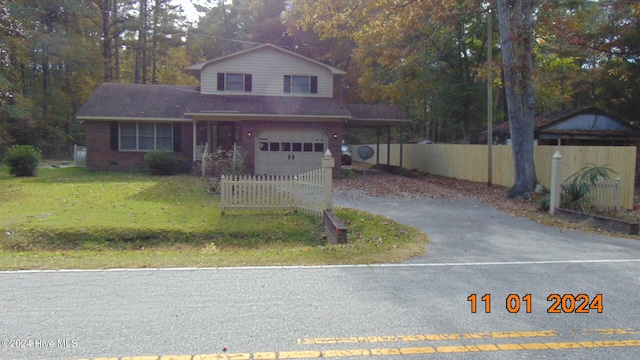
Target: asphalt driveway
(465,230)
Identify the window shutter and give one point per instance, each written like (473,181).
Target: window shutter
(220,81)
(287,83)
(114,135)
(177,145)
(314,84)
(247,82)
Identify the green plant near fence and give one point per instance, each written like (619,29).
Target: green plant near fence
(577,187)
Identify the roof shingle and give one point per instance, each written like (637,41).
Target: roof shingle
(116,100)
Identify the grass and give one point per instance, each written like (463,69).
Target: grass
(74,218)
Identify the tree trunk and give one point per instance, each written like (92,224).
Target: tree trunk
(154,42)
(141,51)
(116,42)
(106,39)
(516,37)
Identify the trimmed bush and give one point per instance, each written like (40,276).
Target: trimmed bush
(23,160)
(160,162)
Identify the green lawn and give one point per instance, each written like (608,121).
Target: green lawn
(74,218)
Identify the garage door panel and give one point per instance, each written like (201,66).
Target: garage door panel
(289,151)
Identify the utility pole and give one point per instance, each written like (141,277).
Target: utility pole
(489,103)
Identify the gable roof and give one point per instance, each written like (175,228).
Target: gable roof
(543,123)
(197,68)
(135,101)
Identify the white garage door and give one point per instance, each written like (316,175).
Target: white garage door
(289,151)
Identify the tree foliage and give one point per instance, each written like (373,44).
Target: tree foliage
(428,57)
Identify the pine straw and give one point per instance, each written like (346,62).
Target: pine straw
(382,184)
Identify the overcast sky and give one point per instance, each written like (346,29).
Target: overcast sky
(189,11)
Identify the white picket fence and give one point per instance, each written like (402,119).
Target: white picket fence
(309,192)
(605,195)
(304,192)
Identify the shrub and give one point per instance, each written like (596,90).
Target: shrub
(160,162)
(544,204)
(577,187)
(220,163)
(347,174)
(23,160)
(410,173)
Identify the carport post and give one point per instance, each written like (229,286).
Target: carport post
(556,180)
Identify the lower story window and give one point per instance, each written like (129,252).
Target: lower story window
(146,136)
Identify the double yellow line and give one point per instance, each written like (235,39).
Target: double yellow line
(399,351)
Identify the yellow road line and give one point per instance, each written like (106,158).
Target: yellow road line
(427,337)
(612,331)
(536,346)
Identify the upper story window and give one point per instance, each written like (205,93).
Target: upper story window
(234,82)
(303,84)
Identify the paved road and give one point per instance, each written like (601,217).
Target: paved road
(415,310)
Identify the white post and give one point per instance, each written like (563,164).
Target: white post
(556,180)
(617,193)
(328,164)
(195,143)
(223,194)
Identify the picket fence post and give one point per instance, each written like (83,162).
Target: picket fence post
(327,165)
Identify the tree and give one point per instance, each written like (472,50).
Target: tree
(424,56)
(9,27)
(515,18)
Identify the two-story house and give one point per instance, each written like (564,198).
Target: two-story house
(278,106)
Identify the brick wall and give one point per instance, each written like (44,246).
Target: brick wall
(101,157)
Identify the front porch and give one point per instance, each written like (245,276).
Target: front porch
(213,136)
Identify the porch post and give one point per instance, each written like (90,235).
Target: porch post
(194,142)
(327,164)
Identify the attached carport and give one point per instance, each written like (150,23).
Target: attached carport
(377,117)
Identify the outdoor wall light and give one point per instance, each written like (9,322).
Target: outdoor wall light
(249,134)
(335,136)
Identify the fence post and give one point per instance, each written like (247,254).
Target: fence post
(223,194)
(618,202)
(556,180)
(327,166)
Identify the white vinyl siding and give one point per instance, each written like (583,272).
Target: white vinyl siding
(268,68)
(146,136)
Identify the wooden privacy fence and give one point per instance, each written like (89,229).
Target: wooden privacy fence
(470,162)
(309,192)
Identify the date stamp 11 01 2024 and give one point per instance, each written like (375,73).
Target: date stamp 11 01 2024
(567,303)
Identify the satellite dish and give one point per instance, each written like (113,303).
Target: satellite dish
(365,152)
